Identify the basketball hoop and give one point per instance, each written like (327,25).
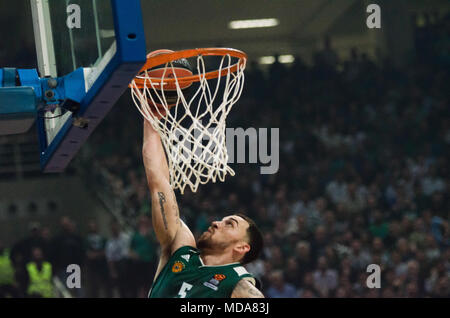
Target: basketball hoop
(189,107)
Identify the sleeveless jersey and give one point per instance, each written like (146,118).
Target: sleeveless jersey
(185,276)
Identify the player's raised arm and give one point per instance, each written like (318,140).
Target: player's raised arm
(169,229)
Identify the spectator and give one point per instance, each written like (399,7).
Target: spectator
(20,274)
(325,279)
(304,259)
(40,273)
(379,228)
(68,249)
(292,273)
(360,257)
(96,266)
(7,279)
(25,246)
(68,245)
(117,250)
(319,242)
(143,255)
(278,288)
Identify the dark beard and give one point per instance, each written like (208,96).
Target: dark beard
(204,243)
(207,243)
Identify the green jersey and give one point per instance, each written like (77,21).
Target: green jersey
(185,276)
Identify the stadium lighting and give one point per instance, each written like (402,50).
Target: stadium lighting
(267,60)
(285,59)
(254,23)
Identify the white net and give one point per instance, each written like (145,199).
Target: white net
(193,129)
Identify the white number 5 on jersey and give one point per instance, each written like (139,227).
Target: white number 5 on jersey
(184,288)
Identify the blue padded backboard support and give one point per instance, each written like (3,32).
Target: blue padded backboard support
(107,89)
(18,100)
(8,77)
(17,110)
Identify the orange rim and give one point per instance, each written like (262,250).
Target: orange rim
(165,58)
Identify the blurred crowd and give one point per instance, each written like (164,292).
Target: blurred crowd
(363,174)
(120,264)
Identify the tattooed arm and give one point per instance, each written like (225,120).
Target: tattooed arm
(245,289)
(170,231)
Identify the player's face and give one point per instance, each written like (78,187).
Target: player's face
(230,230)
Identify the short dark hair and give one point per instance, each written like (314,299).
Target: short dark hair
(255,238)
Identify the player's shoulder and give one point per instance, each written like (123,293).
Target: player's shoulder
(239,271)
(246,280)
(185,250)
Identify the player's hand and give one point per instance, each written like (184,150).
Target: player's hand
(148,129)
(157,110)
(151,139)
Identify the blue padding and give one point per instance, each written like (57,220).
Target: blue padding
(17,103)
(129,27)
(74,86)
(1,77)
(9,77)
(30,77)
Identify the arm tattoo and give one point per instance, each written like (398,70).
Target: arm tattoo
(245,289)
(253,292)
(177,216)
(175,208)
(162,200)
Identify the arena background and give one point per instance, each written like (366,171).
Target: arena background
(364,147)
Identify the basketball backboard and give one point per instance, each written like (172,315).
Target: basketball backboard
(89,51)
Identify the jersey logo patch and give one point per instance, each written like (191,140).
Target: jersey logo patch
(240,270)
(177,267)
(219,277)
(186,257)
(208,284)
(215,281)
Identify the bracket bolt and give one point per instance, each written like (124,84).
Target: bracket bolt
(49,94)
(52,83)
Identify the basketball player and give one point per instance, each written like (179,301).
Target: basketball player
(212,267)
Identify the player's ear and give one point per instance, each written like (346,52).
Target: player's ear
(242,247)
